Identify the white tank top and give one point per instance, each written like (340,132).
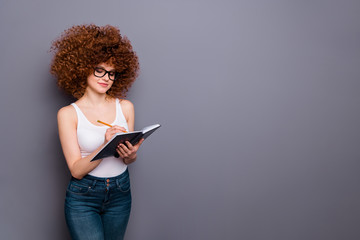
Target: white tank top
(91,136)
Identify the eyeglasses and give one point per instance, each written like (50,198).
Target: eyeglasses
(100,72)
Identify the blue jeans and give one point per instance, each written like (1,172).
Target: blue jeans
(98,208)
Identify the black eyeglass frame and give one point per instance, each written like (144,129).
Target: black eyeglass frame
(116,76)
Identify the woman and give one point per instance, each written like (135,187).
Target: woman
(96,65)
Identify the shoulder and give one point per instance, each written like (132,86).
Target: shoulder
(126,104)
(66,113)
(127,108)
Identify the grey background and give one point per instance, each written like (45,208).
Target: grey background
(259,102)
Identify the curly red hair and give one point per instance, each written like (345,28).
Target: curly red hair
(81,48)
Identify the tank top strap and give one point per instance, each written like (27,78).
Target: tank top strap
(76,107)
(120,115)
(78,111)
(80,116)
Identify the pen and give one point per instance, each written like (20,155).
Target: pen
(106,124)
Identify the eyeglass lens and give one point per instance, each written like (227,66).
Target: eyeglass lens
(100,72)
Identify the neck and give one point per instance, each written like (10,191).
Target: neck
(94,99)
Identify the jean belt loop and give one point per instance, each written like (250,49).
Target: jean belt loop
(94,183)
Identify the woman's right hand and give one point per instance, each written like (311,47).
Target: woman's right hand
(110,132)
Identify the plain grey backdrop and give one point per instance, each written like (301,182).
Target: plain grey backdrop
(260,110)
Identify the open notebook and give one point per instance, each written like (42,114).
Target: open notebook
(133,137)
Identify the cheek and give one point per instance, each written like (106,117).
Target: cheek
(111,84)
(90,80)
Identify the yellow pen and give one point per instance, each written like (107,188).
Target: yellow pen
(107,124)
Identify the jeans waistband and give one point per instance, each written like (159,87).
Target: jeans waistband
(92,179)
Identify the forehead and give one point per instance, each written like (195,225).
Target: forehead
(106,66)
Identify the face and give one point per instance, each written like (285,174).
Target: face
(98,83)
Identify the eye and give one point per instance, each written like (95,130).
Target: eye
(112,74)
(99,70)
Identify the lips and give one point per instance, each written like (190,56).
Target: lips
(103,84)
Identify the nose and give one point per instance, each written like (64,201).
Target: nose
(106,76)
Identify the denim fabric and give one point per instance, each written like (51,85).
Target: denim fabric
(98,208)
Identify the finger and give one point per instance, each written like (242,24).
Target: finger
(121,152)
(112,131)
(129,145)
(124,148)
(122,145)
(119,128)
(116,130)
(140,142)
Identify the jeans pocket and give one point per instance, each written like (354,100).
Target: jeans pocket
(77,187)
(123,184)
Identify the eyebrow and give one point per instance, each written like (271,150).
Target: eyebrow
(111,70)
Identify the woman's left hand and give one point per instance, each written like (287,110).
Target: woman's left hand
(128,152)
